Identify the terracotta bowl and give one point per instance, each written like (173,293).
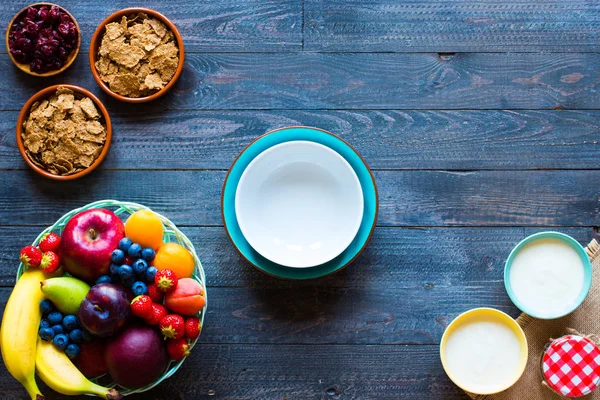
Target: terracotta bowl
(97,39)
(47,92)
(25,67)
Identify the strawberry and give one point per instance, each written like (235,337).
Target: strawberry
(192,328)
(141,306)
(50,262)
(172,326)
(128,261)
(158,312)
(49,242)
(166,280)
(178,349)
(30,256)
(155,294)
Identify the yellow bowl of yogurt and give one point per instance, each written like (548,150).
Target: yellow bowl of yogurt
(484,351)
(548,275)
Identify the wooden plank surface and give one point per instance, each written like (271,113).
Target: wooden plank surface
(353,81)
(462,140)
(250,372)
(206,26)
(451,26)
(409,258)
(472,152)
(407,198)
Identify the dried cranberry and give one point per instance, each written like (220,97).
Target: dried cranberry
(54,13)
(31,13)
(24,44)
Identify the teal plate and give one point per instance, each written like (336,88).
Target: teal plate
(367,182)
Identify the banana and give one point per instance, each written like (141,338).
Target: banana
(19,331)
(59,373)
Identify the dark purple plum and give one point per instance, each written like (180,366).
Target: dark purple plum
(136,357)
(105,309)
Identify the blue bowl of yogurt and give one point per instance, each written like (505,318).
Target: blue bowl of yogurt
(548,275)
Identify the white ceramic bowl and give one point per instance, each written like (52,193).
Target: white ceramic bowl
(299,204)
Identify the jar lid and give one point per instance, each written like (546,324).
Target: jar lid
(571,366)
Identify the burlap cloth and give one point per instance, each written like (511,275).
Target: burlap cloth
(586,319)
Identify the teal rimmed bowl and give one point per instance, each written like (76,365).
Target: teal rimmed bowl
(268,140)
(171,234)
(574,244)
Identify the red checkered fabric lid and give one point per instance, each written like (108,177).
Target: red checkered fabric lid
(571,366)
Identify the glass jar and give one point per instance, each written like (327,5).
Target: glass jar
(571,365)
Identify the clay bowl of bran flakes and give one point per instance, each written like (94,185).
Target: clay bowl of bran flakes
(138,58)
(71,113)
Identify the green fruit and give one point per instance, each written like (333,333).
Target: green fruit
(66,293)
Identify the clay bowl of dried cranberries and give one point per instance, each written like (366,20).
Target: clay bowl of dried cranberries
(43,39)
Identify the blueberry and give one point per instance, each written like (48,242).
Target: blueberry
(72,351)
(139,288)
(55,318)
(150,274)
(76,336)
(125,272)
(45,324)
(125,244)
(61,341)
(46,334)
(118,256)
(103,279)
(58,329)
(134,251)
(70,322)
(148,254)
(114,269)
(139,267)
(46,306)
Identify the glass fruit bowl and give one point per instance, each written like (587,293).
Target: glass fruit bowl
(171,234)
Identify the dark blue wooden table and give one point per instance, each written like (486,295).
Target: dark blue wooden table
(479,118)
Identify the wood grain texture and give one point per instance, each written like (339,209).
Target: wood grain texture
(407,198)
(296,372)
(462,140)
(409,258)
(353,81)
(354,316)
(206,26)
(451,26)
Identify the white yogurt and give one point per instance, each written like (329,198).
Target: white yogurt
(547,277)
(483,356)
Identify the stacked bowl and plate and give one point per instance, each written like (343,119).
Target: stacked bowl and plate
(299,203)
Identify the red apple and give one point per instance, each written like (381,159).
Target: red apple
(87,242)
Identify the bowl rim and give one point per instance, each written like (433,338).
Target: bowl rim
(497,314)
(371,181)
(46,92)
(357,217)
(587,270)
(72,56)
(95,44)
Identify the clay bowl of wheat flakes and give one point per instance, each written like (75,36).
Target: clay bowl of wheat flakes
(63,132)
(136,55)
(43,39)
